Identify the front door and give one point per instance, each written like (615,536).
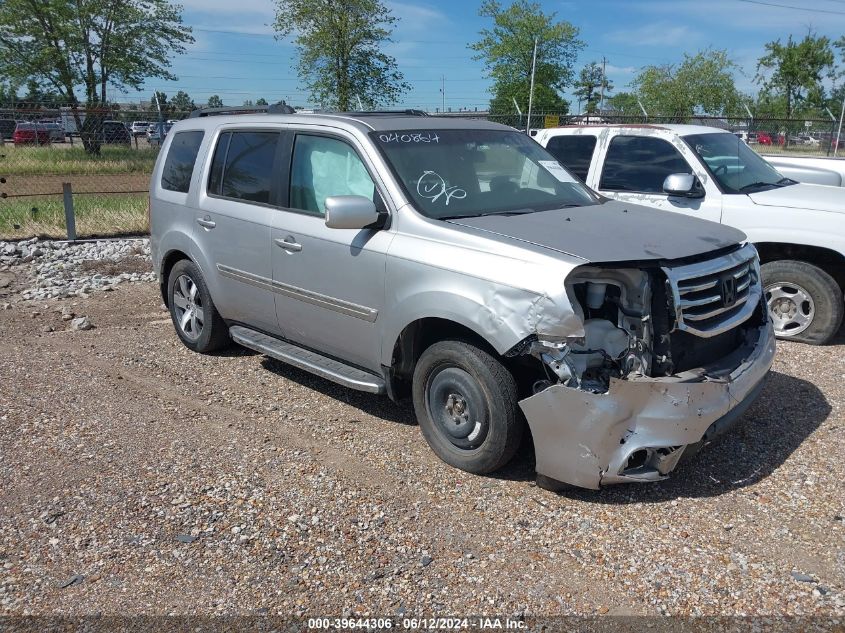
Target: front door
(635,167)
(329,283)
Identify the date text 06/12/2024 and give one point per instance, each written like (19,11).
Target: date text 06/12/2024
(412,624)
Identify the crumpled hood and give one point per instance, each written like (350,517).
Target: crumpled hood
(803,196)
(611,232)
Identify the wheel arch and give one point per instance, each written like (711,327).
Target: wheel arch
(167,263)
(829,260)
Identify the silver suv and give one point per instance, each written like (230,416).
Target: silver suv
(458,263)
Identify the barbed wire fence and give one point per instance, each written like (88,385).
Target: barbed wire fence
(71,174)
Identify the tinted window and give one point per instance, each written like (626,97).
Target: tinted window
(573,152)
(242,167)
(638,163)
(324,167)
(179,165)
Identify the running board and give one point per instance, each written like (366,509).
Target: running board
(322,366)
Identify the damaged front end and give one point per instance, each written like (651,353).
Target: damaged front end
(669,356)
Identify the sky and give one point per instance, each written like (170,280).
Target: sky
(237,57)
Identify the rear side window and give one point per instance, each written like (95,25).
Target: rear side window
(573,152)
(242,167)
(641,164)
(179,164)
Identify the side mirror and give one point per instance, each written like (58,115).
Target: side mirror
(350,212)
(685,185)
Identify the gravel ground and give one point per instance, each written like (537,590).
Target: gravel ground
(139,478)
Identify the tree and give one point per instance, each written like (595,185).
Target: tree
(181,102)
(508,47)
(701,84)
(794,71)
(624,103)
(340,54)
(8,93)
(89,44)
(588,87)
(261,102)
(215,102)
(248,102)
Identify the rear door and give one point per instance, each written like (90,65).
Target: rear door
(633,170)
(329,282)
(574,151)
(237,204)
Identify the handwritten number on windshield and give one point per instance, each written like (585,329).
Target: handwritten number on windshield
(432,187)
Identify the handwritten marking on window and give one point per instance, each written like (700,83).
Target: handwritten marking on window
(432,187)
(410,137)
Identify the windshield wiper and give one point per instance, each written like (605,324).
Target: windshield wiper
(784,182)
(757,185)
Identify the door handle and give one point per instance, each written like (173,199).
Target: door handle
(293,247)
(206,223)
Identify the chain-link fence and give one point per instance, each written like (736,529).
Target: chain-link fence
(91,165)
(64,168)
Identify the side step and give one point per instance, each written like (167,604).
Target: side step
(313,362)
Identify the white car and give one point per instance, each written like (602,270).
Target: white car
(704,172)
(139,127)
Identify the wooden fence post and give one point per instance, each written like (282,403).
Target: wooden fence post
(70,218)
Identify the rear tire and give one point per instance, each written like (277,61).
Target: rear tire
(466,404)
(804,301)
(194,316)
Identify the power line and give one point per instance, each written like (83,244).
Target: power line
(786,6)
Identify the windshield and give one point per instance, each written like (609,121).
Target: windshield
(737,167)
(462,173)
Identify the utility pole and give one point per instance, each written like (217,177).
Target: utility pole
(603,82)
(531,89)
(443,93)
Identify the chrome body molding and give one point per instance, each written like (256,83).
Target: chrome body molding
(324,301)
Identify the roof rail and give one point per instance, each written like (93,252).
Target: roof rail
(359,113)
(276,108)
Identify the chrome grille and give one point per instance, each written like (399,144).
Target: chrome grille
(715,296)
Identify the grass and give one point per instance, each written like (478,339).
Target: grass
(55,159)
(96,215)
(794,150)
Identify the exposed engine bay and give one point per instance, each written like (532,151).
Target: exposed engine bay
(633,321)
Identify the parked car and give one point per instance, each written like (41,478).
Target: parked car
(56,131)
(456,262)
(764,138)
(116,132)
(139,127)
(30,134)
(7,128)
(706,173)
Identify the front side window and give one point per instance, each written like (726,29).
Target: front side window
(574,152)
(324,167)
(181,158)
(640,164)
(737,167)
(461,173)
(242,167)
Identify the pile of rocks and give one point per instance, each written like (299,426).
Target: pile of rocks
(62,269)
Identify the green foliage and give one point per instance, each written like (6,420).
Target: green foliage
(248,102)
(64,44)
(588,87)
(624,103)
(702,84)
(794,71)
(215,101)
(182,102)
(507,49)
(340,50)
(261,102)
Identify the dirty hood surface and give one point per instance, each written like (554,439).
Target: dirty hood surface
(610,232)
(803,196)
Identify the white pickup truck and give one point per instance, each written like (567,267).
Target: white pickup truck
(703,172)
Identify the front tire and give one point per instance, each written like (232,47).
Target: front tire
(804,301)
(194,316)
(466,403)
